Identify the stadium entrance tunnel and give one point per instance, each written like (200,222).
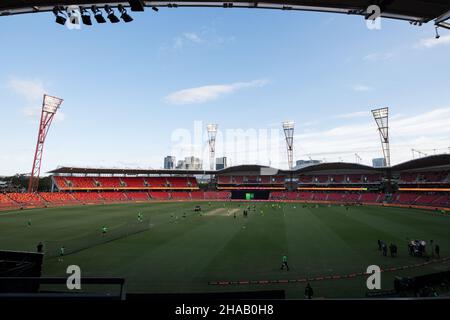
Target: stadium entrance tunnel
(250,195)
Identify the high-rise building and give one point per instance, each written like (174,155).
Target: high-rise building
(190,163)
(378,162)
(169,162)
(221,163)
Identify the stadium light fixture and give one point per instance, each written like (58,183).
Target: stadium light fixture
(86,17)
(98,15)
(123,14)
(212,133)
(437,33)
(111,16)
(136,5)
(155,9)
(59,17)
(50,106)
(288,128)
(381,117)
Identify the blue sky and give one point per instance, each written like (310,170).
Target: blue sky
(128,88)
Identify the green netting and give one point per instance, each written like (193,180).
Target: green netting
(72,245)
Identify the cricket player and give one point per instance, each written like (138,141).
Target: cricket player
(61,253)
(284,263)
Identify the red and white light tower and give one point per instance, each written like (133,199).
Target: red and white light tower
(381,117)
(50,106)
(288,128)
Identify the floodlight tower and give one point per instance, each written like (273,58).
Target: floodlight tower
(50,106)
(212,132)
(288,128)
(381,117)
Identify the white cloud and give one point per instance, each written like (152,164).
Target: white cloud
(187,38)
(378,56)
(433,42)
(32,91)
(191,36)
(29,89)
(210,92)
(361,88)
(34,113)
(425,131)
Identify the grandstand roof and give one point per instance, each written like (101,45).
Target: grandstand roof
(251,168)
(124,171)
(412,10)
(337,166)
(436,161)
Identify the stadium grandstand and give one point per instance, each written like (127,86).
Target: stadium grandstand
(423,182)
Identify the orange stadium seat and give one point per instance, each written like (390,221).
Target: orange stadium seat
(197,195)
(138,195)
(58,197)
(113,196)
(134,182)
(159,195)
(108,182)
(178,182)
(156,181)
(26,198)
(79,182)
(87,196)
(180,195)
(6,202)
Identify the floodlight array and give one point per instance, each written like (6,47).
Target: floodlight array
(62,14)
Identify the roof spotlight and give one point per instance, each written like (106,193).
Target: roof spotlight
(437,33)
(60,19)
(86,17)
(111,16)
(123,14)
(98,15)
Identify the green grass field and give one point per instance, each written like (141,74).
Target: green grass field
(184,254)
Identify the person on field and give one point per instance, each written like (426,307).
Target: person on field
(437,250)
(284,263)
(393,250)
(61,253)
(40,247)
(309,292)
(104,230)
(379,245)
(140,216)
(384,248)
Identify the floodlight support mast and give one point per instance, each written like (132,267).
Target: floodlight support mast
(288,128)
(212,133)
(50,106)
(381,117)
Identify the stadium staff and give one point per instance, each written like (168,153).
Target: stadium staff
(309,291)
